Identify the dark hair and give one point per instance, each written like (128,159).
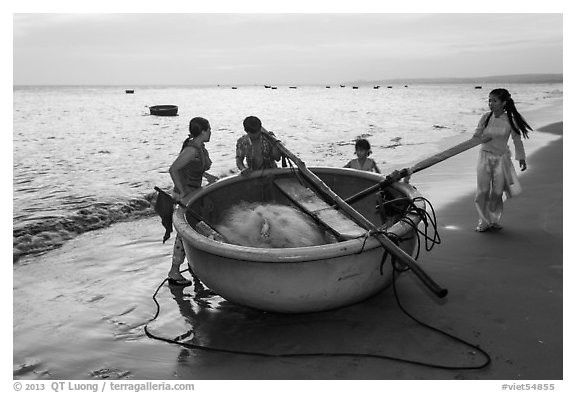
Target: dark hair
(517,122)
(252,124)
(197,125)
(363,144)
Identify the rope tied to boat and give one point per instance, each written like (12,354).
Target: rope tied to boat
(396,240)
(407,212)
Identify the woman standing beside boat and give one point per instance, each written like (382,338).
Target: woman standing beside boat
(495,171)
(187,172)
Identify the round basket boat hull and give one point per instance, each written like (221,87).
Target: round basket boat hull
(292,280)
(293,287)
(164,110)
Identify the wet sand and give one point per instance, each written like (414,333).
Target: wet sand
(79,312)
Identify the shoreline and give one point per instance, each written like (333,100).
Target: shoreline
(38,238)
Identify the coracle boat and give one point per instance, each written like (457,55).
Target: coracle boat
(164,110)
(302,279)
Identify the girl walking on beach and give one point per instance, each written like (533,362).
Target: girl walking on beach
(187,172)
(495,172)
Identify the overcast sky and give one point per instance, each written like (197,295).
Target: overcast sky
(189,49)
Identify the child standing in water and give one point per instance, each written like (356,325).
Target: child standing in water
(363,163)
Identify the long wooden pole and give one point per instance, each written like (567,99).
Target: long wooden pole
(428,162)
(392,248)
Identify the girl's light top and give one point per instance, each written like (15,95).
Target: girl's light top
(499,130)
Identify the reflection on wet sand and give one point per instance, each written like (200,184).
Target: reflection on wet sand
(208,325)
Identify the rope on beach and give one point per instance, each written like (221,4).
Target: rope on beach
(428,220)
(328,354)
(486,355)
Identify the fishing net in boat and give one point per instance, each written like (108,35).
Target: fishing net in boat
(271,226)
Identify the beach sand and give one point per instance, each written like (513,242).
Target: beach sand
(79,312)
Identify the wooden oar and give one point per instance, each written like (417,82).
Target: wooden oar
(428,162)
(388,244)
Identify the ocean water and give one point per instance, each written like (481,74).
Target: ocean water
(86,157)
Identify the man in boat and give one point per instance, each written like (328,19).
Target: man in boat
(258,151)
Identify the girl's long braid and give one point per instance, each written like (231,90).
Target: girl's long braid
(518,123)
(185,143)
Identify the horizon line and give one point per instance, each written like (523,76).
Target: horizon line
(463,79)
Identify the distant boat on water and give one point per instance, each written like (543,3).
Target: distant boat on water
(267,86)
(164,110)
(129,91)
(327,87)
(376,87)
(354,87)
(477,87)
(293,87)
(233,87)
(274,87)
(342,85)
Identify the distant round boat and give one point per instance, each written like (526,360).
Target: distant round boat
(164,110)
(293,280)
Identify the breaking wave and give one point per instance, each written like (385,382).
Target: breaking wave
(52,232)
